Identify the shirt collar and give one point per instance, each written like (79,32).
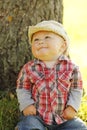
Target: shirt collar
(60,59)
(63,58)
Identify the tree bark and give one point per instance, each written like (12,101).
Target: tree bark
(15,17)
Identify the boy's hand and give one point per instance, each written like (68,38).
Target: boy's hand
(30,110)
(69,113)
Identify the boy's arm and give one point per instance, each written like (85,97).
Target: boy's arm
(24,89)
(72,104)
(75,98)
(24,98)
(75,93)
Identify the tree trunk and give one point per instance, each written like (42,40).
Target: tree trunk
(15,17)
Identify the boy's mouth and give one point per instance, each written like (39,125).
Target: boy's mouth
(42,48)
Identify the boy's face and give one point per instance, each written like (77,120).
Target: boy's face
(47,46)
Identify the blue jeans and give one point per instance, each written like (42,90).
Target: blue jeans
(36,123)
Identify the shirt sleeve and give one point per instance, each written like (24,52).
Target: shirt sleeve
(75,90)
(24,98)
(24,90)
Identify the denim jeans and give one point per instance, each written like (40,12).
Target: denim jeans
(36,123)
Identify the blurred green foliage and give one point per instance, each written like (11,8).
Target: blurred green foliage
(9,112)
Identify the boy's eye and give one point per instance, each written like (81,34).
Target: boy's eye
(36,39)
(46,37)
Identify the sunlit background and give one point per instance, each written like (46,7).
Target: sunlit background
(75,22)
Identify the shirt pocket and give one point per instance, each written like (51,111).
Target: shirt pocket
(38,86)
(64,81)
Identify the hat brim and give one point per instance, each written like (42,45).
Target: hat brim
(33,29)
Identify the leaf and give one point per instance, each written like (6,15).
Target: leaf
(9,18)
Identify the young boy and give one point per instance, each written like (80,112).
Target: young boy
(49,88)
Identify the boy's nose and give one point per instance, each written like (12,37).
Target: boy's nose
(41,41)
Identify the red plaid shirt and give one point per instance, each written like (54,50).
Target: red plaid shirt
(50,88)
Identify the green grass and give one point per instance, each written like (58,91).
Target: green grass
(9,112)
